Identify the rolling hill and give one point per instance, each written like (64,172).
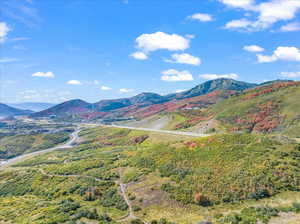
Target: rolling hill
(267,108)
(66,109)
(143,99)
(34,106)
(6,111)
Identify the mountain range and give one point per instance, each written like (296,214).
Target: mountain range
(130,107)
(219,104)
(6,111)
(34,106)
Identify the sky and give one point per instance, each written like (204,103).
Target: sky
(53,50)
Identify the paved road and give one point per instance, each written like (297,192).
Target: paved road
(73,138)
(160,131)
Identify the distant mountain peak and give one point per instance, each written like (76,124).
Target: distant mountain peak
(213,85)
(75,106)
(6,110)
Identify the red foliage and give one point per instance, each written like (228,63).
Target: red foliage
(191,144)
(271,88)
(188,103)
(265,119)
(201,199)
(140,139)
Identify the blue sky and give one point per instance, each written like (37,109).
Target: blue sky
(53,50)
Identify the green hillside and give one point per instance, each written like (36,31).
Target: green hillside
(178,178)
(272,108)
(14,145)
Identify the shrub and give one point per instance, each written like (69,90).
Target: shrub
(259,194)
(87,214)
(296,207)
(201,199)
(136,221)
(68,205)
(136,208)
(111,198)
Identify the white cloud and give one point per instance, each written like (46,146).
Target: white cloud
(74,82)
(184,59)
(266,59)
(290,27)
(4,30)
(238,24)
(44,74)
(139,55)
(276,10)
(201,17)
(8,60)
(161,40)
(253,48)
(266,13)
(290,74)
(180,90)
(218,76)
(105,88)
(238,3)
(281,53)
(173,75)
(124,90)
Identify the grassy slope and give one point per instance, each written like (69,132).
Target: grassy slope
(11,146)
(272,108)
(165,176)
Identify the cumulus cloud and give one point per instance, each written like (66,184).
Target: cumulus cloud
(266,13)
(253,48)
(202,17)
(160,40)
(105,88)
(238,3)
(184,58)
(74,82)
(218,76)
(281,53)
(290,27)
(4,30)
(173,75)
(290,74)
(238,24)
(139,55)
(43,74)
(124,90)
(266,59)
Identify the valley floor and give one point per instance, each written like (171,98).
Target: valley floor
(119,175)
